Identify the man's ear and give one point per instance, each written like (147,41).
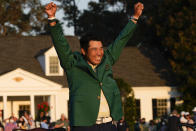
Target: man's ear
(83,51)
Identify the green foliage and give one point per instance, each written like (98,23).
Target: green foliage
(130,112)
(125,88)
(103,19)
(128,5)
(97,19)
(128,102)
(106,18)
(102,23)
(21,16)
(176,29)
(71,12)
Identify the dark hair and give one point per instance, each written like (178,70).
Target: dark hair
(44,118)
(86,38)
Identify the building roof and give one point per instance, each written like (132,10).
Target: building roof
(143,66)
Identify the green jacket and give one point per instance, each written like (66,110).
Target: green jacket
(84,84)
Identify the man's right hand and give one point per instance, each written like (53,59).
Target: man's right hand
(50,10)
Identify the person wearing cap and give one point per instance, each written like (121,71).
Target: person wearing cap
(194,114)
(189,121)
(183,120)
(186,113)
(94,97)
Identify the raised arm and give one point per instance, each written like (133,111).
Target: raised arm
(114,50)
(60,43)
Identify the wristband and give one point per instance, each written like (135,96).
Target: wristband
(133,18)
(51,18)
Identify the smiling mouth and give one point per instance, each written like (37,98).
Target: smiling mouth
(98,59)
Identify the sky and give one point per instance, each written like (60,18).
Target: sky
(82,4)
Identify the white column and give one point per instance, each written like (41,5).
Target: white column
(146,108)
(66,108)
(5,106)
(32,106)
(57,110)
(52,108)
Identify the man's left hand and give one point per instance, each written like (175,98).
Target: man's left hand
(138,8)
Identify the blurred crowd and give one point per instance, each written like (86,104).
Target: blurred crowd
(183,121)
(27,122)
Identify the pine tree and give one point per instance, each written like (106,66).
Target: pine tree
(176,30)
(71,13)
(21,17)
(128,100)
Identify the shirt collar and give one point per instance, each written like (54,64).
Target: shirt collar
(93,66)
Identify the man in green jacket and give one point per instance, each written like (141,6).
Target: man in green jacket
(94,97)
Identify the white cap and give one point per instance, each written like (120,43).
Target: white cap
(182,113)
(187,113)
(194,109)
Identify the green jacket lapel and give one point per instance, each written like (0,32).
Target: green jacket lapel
(101,69)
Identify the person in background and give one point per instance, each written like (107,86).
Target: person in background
(47,117)
(15,118)
(122,125)
(11,124)
(39,119)
(1,121)
(63,122)
(28,120)
(143,125)
(40,116)
(44,123)
(21,124)
(174,121)
(163,125)
(152,126)
(189,121)
(183,120)
(136,125)
(194,114)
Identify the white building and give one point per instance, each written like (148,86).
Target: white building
(21,90)
(30,73)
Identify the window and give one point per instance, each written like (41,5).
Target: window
(137,101)
(54,65)
(23,108)
(159,107)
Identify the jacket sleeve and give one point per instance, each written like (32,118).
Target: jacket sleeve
(114,50)
(61,45)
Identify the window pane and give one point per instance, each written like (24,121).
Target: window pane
(137,101)
(23,108)
(159,107)
(54,65)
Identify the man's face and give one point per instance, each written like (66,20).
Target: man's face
(94,52)
(41,114)
(62,117)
